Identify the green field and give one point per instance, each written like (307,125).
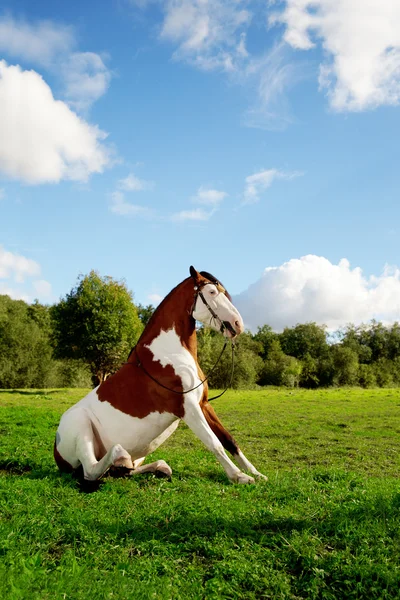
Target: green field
(325,525)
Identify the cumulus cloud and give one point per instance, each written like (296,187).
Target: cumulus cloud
(361,39)
(16,266)
(52,46)
(313,289)
(42,140)
(18,274)
(262,180)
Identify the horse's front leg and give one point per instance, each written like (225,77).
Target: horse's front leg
(196,420)
(228,441)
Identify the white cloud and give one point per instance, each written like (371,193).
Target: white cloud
(197,214)
(19,274)
(86,79)
(134,184)
(6,290)
(52,46)
(42,288)
(38,43)
(16,266)
(42,140)
(208,34)
(120,206)
(155,299)
(208,196)
(260,181)
(212,36)
(313,289)
(271,76)
(361,39)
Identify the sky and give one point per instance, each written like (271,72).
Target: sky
(254,139)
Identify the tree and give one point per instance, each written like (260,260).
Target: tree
(345,365)
(145,313)
(357,339)
(25,350)
(265,336)
(247,362)
(280,369)
(96,322)
(304,339)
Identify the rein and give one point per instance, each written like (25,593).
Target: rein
(223,325)
(140,364)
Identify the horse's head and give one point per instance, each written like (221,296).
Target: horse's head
(212,305)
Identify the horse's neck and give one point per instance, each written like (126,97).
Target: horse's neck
(174,313)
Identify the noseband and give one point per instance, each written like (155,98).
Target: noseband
(223,324)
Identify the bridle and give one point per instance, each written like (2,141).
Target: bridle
(223,325)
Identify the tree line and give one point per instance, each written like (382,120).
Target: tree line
(87,336)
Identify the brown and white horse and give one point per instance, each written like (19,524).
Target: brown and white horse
(135,410)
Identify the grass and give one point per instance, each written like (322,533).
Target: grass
(325,525)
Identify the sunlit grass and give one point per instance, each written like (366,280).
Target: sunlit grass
(325,525)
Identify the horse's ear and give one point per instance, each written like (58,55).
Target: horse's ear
(194,273)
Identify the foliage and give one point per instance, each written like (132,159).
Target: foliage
(304,340)
(145,313)
(96,322)
(25,351)
(280,369)
(247,362)
(345,365)
(90,333)
(265,336)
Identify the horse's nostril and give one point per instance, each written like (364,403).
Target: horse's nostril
(237,324)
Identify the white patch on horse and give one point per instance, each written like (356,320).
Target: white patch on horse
(167,349)
(138,436)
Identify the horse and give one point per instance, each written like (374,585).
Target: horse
(136,409)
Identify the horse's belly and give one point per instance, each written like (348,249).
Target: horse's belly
(138,436)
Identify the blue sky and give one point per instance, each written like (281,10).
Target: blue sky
(256,140)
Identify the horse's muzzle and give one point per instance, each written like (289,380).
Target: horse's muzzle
(230,328)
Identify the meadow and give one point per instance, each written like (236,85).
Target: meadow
(325,525)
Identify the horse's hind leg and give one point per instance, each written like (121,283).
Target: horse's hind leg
(160,468)
(87,454)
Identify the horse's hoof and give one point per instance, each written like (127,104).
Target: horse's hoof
(243,478)
(120,471)
(163,470)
